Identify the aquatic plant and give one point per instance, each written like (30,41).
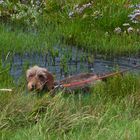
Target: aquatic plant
(64,64)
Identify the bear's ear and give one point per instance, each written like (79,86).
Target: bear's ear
(49,80)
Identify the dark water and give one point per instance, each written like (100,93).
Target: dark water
(63,62)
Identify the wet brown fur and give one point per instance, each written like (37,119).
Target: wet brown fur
(39,78)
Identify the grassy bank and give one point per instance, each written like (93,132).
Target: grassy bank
(108,111)
(93,29)
(69,35)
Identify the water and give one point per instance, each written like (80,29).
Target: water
(63,62)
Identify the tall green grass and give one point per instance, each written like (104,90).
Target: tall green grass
(85,31)
(109,110)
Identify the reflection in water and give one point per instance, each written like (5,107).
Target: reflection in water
(64,62)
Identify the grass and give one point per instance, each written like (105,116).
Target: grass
(70,35)
(109,110)
(86,31)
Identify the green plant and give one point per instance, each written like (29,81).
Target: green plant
(21,13)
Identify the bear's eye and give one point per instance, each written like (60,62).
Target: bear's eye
(41,77)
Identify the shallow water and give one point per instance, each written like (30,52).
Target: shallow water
(65,62)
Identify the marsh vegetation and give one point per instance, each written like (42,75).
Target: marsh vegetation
(68,37)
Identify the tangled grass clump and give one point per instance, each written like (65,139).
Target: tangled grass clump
(55,114)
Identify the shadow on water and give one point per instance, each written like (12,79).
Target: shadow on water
(67,61)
